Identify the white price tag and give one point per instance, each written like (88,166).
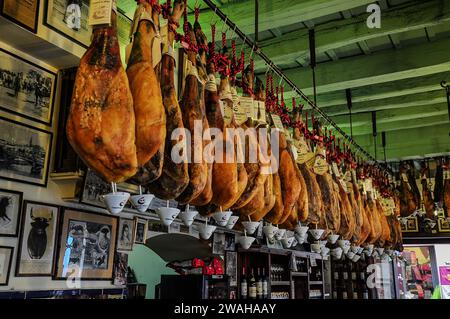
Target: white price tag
(277,122)
(313,262)
(262,111)
(100,12)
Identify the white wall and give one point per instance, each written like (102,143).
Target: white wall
(442,257)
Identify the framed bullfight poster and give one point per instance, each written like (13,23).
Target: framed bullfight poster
(22,12)
(10,205)
(86,246)
(37,239)
(26,89)
(69,18)
(6,255)
(24,152)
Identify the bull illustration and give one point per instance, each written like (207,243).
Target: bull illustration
(37,238)
(4,204)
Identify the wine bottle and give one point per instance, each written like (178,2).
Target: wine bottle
(252,286)
(265,286)
(259,286)
(244,286)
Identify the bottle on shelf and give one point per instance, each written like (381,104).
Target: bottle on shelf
(265,285)
(252,286)
(244,285)
(259,285)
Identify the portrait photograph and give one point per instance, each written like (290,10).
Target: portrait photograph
(37,239)
(140,232)
(10,208)
(24,153)
(6,255)
(125,236)
(86,245)
(26,89)
(120,269)
(23,12)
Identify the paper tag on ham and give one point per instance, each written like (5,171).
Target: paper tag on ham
(320,165)
(277,122)
(446,174)
(309,159)
(368,185)
(335,169)
(246,105)
(156,51)
(254,111)
(240,115)
(227,113)
(262,112)
(302,150)
(294,152)
(100,12)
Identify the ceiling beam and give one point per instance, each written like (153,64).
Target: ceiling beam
(431,34)
(407,87)
(278,13)
(364,47)
(401,116)
(395,40)
(332,54)
(336,34)
(425,100)
(377,68)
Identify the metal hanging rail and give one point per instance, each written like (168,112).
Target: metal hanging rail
(294,87)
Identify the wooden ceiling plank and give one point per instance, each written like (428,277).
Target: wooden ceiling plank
(337,34)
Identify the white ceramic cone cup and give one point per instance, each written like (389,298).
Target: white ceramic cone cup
(315,248)
(337,252)
(250,227)
(115,202)
(356,258)
(332,239)
(316,233)
(280,234)
(287,242)
(301,230)
(222,218)
(246,241)
(232,222)
(300,239)
(346,249)
(379,250)
(350,255)
(141,202)
(269,231)
(354,249)
(167,214)
(188,217)
(206,231)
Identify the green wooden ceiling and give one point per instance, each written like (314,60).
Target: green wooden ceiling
(395,70)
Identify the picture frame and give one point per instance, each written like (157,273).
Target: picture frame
(94,187)
(125,236)
(27,151)
(69,20)
(444,225)
(140,230)
(24,16)
(410,225)
(120,269)
(218,247)
(6,256)
(26,89)
(36,249)
(99,231)
(10,208)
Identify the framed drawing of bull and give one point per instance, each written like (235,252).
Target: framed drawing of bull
(86,246)
(10,205)
(37,239)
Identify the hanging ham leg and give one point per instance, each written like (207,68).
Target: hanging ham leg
(174,177)
(427,197)
(101,123)
(146,91)
(193,113)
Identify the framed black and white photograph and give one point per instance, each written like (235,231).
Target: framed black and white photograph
(86,245)
(230,242)
(218,247)
(10,208)
(26,89)
(24,152)
(69,18)
(231,267)
(6,256)
(120,269)
(94,187)
(125,236)
(23,12)
(140,232)
(37,239)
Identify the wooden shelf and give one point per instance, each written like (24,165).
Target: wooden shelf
(299,274)
(280,283)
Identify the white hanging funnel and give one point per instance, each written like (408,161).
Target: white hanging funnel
(206,230)
(188,216)
(332,239)
(232,222)
(116,201)
(167,214)
(222,218)
(246,241)
(141,202)
(315,248)
(287,242)
(269,231)
(300,239)
(280,234)
(316,233)
(250,227)
(301,230)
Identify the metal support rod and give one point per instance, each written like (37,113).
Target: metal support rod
(287,80)
(312,59)
(348,94)
(447,92)
(256,22)
(383,141)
